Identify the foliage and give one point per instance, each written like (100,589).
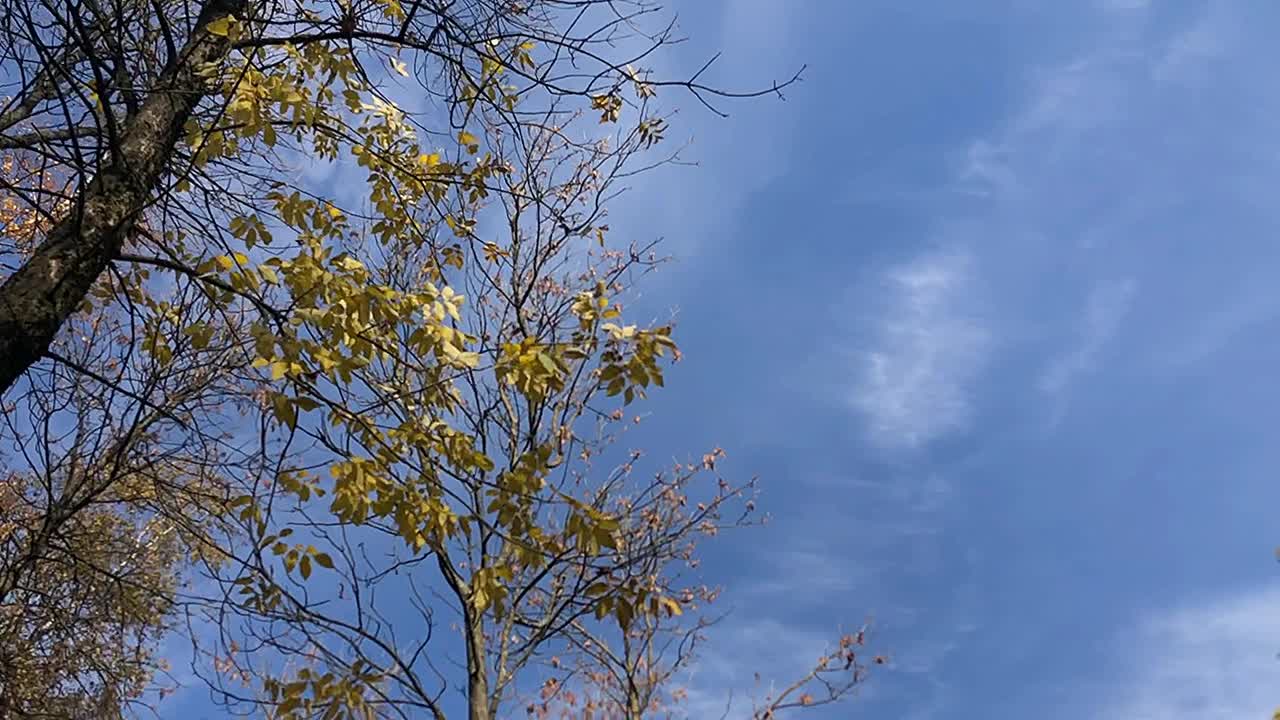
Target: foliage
(340,410)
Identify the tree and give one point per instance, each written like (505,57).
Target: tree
(107,488)
(93,529)
(356,411)
(79,629)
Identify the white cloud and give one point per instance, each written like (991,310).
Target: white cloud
(1184,56)
(1124,5)
(1086,173)
(1250,302)
(913,384)
(1215,661)
(724,677)
(736,157)
(821,574)
(1106,309)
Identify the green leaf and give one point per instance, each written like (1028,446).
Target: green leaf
(285,412)
(625,613)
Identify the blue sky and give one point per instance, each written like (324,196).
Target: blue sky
(989,303)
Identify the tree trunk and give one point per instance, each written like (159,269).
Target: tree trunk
(478,707)
(38,298)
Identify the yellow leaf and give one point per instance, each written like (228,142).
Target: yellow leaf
(221,26)
(399,66)
(671,606)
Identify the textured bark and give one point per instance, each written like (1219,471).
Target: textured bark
(478,707)
(38,298)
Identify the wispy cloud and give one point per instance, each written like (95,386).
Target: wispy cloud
(913,382)
(744,661)
(1212,661)
(752,656)
(1123,5)
(822,574)
(1105,310)
(1089,174)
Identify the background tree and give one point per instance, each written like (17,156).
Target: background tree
(107,490)
(371,412)
(79,630)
